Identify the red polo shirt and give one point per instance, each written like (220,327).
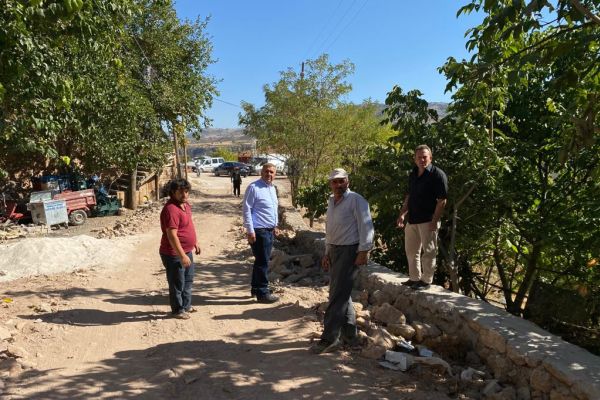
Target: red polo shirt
(173,217)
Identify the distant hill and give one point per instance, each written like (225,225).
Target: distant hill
(212,135)
(236,135)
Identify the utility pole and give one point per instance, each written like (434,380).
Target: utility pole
(185,158)
(176,145)
(302,72)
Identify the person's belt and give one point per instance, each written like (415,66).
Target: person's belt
(264,229)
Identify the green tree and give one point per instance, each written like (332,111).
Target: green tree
(314,199)
(227,154)
(562,39)
(305,118)
(85,82)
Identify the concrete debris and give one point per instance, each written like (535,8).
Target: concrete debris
(471,374)
(390,365)
(133,222)
(402,360)
(435,362)
(492,386)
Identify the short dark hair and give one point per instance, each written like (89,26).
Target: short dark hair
(423,147)
(175,184)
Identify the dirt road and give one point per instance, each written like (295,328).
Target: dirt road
(106,332)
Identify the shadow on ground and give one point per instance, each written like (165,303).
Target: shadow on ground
(279,369)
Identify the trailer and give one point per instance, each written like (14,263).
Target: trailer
(79,204)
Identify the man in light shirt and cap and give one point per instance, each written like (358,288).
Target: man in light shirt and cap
(348,237)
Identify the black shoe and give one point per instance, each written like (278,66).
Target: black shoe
(323,346)
(421,286)
(353,341)
(254,292)
(410,284)
(269,298)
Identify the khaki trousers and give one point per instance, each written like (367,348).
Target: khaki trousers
(421,249)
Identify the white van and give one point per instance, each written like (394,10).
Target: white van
(207,164)
(278,160)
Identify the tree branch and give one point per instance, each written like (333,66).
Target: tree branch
(582,9)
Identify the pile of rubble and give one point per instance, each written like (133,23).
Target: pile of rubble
(300,270)
(386,335)
(133,221)
(10,230)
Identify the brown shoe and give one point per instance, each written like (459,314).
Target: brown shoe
(182,315)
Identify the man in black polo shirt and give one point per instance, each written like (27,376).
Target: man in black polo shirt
(424,204)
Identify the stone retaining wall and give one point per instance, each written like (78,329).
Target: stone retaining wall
(540,365)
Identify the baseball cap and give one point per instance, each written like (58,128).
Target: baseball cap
(338,173)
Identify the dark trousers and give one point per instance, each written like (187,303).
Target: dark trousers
(180,281)
(340,317)
(261,249)
(236,188)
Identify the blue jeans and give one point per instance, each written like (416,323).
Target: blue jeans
(261,249)
(180,281)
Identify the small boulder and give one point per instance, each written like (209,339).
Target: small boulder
(404,330)
(389,314)
(373,351)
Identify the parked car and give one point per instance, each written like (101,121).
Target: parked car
(228,166)
(278,160)
(208,164)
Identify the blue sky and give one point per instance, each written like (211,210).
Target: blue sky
(391,42)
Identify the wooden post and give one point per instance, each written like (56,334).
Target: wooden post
(133,189)
(185,168)
(156,186)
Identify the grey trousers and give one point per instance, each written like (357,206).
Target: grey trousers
(340,317)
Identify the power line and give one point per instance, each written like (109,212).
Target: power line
(347,25)
(336,26)
(322,29)
(226,102)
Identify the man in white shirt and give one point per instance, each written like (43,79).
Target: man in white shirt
(349,237)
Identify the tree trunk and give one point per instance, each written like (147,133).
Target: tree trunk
(506,285)
(451,255)
(133,189)
(185,168)
(176,145)
(528,279)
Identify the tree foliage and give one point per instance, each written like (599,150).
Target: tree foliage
(305,118)
(523,203)
(560,36)
(93,80)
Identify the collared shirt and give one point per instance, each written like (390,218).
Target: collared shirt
(349,222)
(260,206)
(424,192)
(173,216)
